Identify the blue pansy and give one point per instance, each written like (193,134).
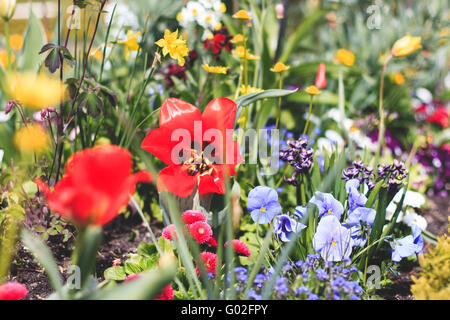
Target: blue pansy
(361,215)
(332,240)
(263,204)
(285,227)
(355,199)
(327,204)
(300,212)
(403,248)
(417,235)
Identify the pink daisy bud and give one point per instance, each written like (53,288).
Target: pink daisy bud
(13,291)
(166,294)
(191,216)
(279,10)
(209,261)
(200,231)
(212,242)
(169,231)
(240,247)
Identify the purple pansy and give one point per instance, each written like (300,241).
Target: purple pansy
(332,240)
(285,227)
(355,199)
(263,204)
(403,248)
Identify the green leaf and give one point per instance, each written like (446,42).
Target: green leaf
(45,258)
(34,40)
(115,273)
(247,99)
(146,249)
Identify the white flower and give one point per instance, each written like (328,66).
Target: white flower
(424,95)
(412,199)
(2,153)
(334,137)
(4,117)
(411,218)
(390,210)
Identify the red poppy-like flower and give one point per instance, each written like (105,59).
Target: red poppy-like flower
(440,116)
(221,40)
(240,247)
(96,185)
(13,291)
(321,79)
(205,156)
(200,231)
(212,242)
(209,261)
(192,216)
(166,294)
(169,231)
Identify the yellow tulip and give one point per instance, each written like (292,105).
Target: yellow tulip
(406,45)
(215,69)
(345,56)
(32,139)
(7,8)
(35,91)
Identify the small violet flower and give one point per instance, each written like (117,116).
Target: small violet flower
(327,204)
(403,248)
(355,199)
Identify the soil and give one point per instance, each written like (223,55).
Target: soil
(122,236)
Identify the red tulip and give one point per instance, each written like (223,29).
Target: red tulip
(97,184)
(204,164)
(440,116)
(321,79)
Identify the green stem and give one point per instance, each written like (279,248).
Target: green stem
(309,115)
(8,47)
(279,103)
(381,127)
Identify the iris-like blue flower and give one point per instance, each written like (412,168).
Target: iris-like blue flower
(403,248)
(263,204)
(285,227)
(355,199)
(418,240)
(327,204)
(332,240)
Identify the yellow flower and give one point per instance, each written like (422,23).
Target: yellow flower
(35,91)
(16,41)
(218,26)
(399,78)
(32,139)
(174,46)
(222,7)
(237,39)
(4,58)
(406,45)
(131,43)
(249,89)
(215,69)
(179,17)
(345,56)
(239,52)
(241,15)
(279,67)
(312,90)
(7,8)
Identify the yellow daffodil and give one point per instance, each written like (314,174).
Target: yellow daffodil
(35,91)
(406,45)
(32,139)
(242,15)
(4,58)
(399,78)
(131,43)
(312,90)
(16,42)
(279,67)
(222,7)
(7,8)
(215,69)
(239,52)
(179,17)
(174,46)
(345,56)
(249,89)
(238,39)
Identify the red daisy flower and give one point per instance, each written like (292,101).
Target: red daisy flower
(240,247)
(168,231)
(212,242)
(200,231)
(166,294)
(13,291)
(191,216)
(204,144)
(97,184)
(209,260)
